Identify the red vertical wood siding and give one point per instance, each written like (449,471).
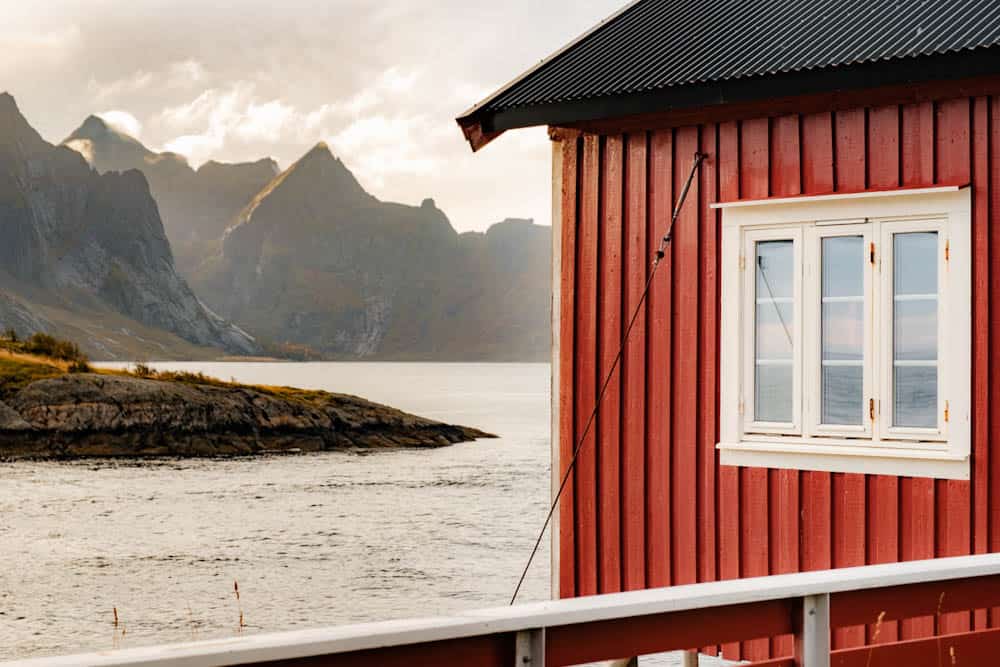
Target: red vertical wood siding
(658,366)
(586,372)
(980,333)
(992,509)
(567,365)
(684,494)
(648,504)
(635,273)
(609,340)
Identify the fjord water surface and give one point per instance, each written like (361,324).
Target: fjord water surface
(313,540)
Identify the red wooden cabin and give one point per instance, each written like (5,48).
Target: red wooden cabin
(813,379)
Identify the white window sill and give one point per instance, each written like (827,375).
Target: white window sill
(894,461)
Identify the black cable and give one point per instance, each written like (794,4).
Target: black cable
(660,252)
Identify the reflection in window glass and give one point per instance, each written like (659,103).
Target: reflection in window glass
(774,333)
(914,329)
(843,329)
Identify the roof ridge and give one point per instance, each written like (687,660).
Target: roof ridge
(662,55)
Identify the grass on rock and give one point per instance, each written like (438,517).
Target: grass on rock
(41,357)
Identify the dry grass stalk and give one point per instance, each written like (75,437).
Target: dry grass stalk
(194,626)
(875,634)
(239,606)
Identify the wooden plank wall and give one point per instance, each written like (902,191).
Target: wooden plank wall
(648,504)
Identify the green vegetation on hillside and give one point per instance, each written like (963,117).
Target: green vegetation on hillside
(43,345)
(41,357)
(17,373)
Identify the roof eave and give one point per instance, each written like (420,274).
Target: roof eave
(481,125)
(473,130)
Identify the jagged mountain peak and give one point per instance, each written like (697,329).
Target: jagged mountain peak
(319,154)
(14,127)
(318,171)
(321,148)
(7,102)
(9,112)
(102,136)
(93,124)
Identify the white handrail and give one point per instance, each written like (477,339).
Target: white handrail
(251,649)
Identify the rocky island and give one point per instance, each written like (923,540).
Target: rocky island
(54,405)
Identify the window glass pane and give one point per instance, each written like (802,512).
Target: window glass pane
(843,330)
(773,401)
(843,266)
(843,402)
(914,329)
(774,331)
(916,396)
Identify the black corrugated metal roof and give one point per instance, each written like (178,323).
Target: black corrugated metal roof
(653,45)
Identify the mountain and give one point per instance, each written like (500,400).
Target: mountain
(196,205)
(313,263)
(85,255)
(316,261)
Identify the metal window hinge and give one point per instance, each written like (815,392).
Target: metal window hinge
(947,250)
(871,409)
(741,406)
(743,262)
(871,253)
(947,412)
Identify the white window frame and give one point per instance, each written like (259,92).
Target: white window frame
(752,237)
(813,313)
(878,447)
(939,433)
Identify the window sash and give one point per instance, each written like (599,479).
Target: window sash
(753,301)
(887,376)
(814,317)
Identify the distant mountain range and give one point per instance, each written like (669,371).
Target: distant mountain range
(196,206)
(304,260)
(85,255)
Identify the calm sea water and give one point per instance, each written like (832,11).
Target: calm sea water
(312,540)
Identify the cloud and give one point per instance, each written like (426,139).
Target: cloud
(185,73)
(235,116)
(266,121)
(130,85)
(27,48)
(197,148)
(380,82)
(379,147)
(122,121)
(181,75)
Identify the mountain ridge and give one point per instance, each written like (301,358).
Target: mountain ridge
(87,242)
(196,205)
(309,259)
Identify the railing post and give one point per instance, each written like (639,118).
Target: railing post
(812,641)
(530,648)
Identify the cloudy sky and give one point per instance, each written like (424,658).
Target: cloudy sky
(380,80)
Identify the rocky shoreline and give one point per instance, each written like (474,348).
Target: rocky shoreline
(81,415)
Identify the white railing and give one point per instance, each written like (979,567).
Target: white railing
(600,627)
